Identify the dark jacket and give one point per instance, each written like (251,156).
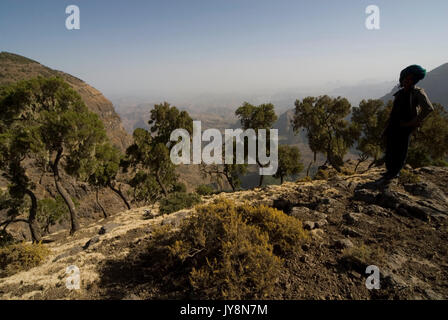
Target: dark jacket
(407,106)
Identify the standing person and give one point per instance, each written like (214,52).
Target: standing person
(411,107)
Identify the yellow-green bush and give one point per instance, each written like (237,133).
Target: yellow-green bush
(364,255)
(224,251)
(286,233)
(407,176)
(21,256)
(305,179)
(325,174)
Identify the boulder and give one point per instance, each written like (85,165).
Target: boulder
(108,227)
(92,241)
(343,244)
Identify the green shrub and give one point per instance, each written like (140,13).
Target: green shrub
(407,176)
(325,174)
(364,255)
(418,158)
(179,187)
(440,163)
(224,251)
(178,201)
(51,211)
(286,233)
(21,256)
(305,179)
(204,190)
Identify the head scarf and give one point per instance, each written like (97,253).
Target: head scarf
(417,72)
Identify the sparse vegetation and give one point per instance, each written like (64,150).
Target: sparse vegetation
(150,152)
(328,131)
(407,176)
(429,144)
(256,118)
(21,256)
(325,174)
(204,190)
(178,201)
(50,211)
(225,251)
(364,255)
(289,163)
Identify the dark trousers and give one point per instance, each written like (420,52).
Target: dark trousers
(397,144)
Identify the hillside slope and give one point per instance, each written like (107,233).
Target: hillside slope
(348,218)
(14,68)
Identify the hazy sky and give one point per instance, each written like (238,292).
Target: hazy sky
(197,46)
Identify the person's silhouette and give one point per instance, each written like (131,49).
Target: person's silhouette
(411,107)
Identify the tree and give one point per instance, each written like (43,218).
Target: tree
(107,167)
(17,141)
(288,162)
(369,120)
(151,149)
(50,211)
(256,118)
(328,131)
(64,133)
(429,144)
(230,172)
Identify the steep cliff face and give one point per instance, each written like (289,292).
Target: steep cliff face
(14,68)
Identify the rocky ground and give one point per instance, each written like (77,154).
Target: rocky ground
(354,222)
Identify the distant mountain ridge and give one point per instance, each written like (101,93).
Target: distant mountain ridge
(435,85)
(15,68)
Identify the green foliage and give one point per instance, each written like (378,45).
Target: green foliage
(328,131)
(107,165)
(145,187)
(324,174)
(165,119)
(417,157)
(45,120)
(286,234)
(364,255)
(204,190)
(225,251)
(151,149)
(230,172)
(429,144)
(21,256)
(256,117)
(178,201)
(305,179)
(440,163)
(51,211)
(407,176)
(370,120)
(179,187)
(14,201)
(288,161)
